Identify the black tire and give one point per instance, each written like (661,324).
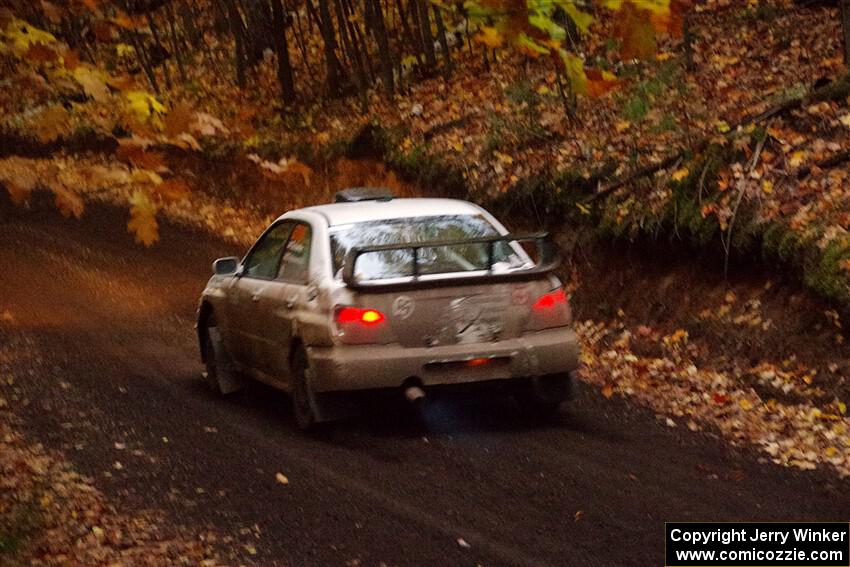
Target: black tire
(212,359)
(546,395)
(220,374)
(303,400)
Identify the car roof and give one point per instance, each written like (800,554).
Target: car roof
(365,211)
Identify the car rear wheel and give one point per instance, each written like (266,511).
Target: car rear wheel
(303,398)
(547,394)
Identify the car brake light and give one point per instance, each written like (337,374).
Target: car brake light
(359,315)
(550,300)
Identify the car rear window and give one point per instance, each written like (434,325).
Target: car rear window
(432,260)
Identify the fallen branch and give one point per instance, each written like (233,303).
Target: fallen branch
(727,243)
(836,90)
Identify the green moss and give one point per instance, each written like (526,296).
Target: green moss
(827,276)
(554,196)
(789,247)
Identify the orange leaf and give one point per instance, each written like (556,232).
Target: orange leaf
(179,120)
(103,31)
(136,156)
(51,124)
(143,219)
(636,33)
(301,169)
(172,190)
(71,59)
(599,82)
(40,53)
(122,20)
(69,203)
(608,390)
(51,11)
(18,192)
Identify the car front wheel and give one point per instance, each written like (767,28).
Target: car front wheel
(219,375)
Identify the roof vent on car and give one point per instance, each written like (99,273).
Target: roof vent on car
(357,194)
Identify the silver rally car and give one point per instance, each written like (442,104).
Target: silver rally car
(381,293)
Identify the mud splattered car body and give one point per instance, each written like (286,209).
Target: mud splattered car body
(382,293)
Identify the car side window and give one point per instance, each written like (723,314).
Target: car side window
(295,264)
(264,259)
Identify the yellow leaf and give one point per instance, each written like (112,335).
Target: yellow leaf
(767,186)
(830,452)
(93,82)
(574,67)
(746,405)
(654,6)
(722,126)
(623,125)
(504,158)
(145,176)
(489,36)
(143,219)
(797,159)
(124,50)
(582,20)
(528,46)
(680,174)
(23,36)
(144,106)
(842,408)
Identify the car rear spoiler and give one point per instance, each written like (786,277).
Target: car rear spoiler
(548,255)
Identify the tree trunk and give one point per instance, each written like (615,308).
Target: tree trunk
(379,30)
(329,38)
(161,48)
(425,32)
(237,29)
(353,56)
(405,27)
(845,26)
(281,46)
(175,42)
(444,42)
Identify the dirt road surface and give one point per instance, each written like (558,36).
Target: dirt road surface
(113,323)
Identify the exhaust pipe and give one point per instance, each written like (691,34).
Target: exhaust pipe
(414,394)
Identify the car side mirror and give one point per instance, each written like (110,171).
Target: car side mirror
(226,266)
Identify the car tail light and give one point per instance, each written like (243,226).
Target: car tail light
(552,309)
(550,300)
(359,315)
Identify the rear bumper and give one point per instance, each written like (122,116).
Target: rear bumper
(362,367)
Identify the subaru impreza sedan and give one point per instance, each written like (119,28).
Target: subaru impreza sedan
(375,293)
